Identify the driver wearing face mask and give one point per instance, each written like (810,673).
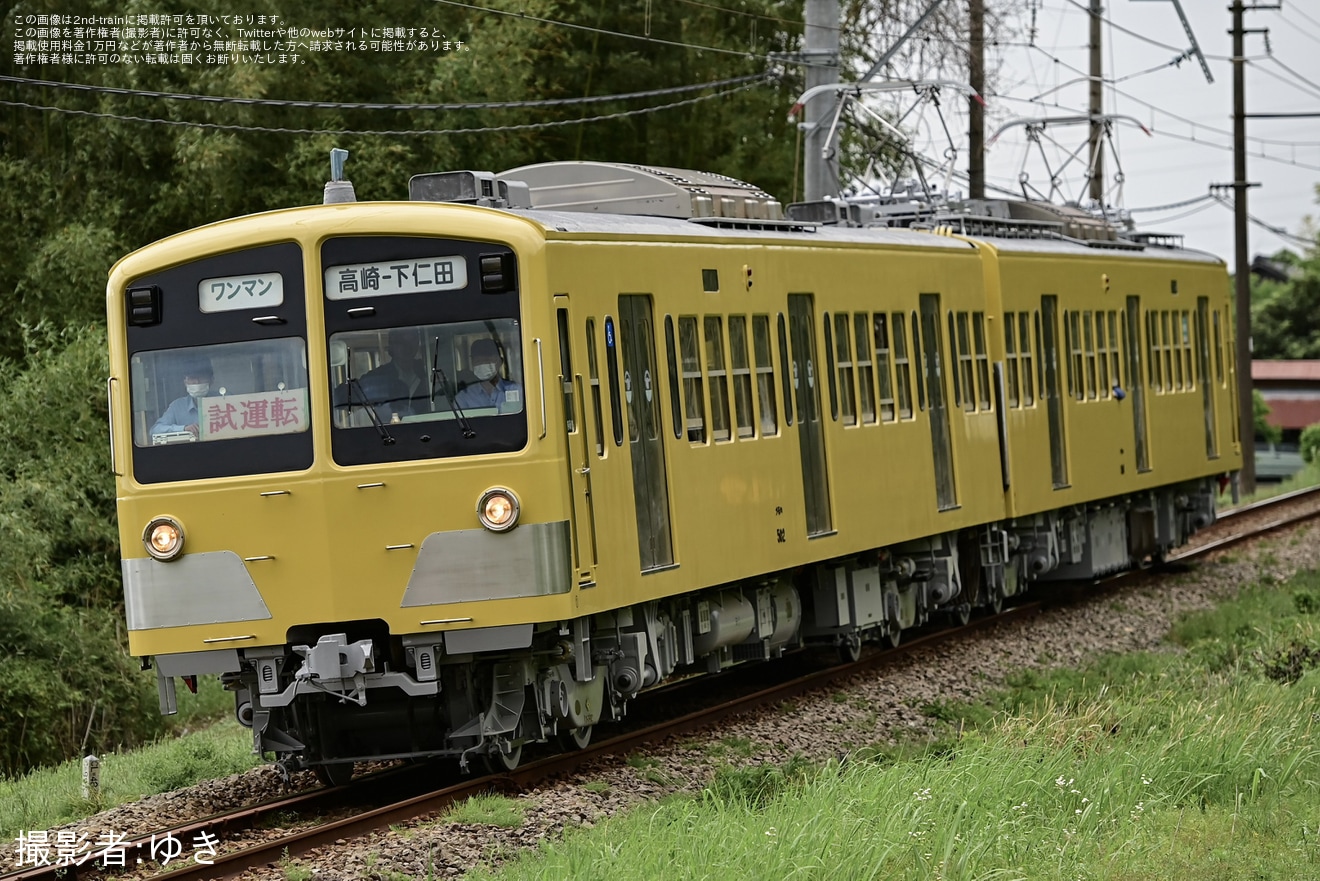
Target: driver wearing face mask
(181,414)
(491,388)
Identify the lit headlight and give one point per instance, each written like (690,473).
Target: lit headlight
(163,538)
(498,509)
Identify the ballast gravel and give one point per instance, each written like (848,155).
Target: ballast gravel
(880,708)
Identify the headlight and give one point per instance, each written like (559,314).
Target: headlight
(163,538)
(498,509)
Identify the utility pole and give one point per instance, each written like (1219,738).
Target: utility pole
(1242,266)
(820,53)
(1097,188)
(975,105)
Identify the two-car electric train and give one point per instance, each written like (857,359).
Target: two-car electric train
(447,476)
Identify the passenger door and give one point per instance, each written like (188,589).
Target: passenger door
(932,356)
(579,468)
(646,447)
(811,435)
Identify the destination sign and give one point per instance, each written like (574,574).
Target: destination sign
(419,275)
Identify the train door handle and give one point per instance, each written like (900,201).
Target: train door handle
(585,469)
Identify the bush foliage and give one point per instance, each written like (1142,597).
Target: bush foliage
(66,682)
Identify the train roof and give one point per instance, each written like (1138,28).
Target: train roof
(578,223)
(612,199)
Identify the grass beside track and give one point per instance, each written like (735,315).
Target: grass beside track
(1307,477)
(203,749)
(1192,763)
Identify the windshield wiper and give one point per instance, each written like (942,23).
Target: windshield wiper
(447,391)
(385,437)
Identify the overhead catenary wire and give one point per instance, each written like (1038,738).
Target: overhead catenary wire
(1279,231)
(490,129)
(336,105)
(606,32)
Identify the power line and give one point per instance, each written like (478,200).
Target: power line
(594,30)
(331,105)
(1129,96)
(760,15)
(1294,8)
(1310,93)
(1172,205)
(1171,134)
(1130,33)
(1310,83)
(1298,28)
(527,126)
(1277,230)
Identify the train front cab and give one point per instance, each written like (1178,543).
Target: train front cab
(322,531)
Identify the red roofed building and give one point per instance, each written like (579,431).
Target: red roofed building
(1292,389)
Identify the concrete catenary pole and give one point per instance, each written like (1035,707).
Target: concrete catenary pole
(820,52)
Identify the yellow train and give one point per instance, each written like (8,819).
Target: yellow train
(452,475)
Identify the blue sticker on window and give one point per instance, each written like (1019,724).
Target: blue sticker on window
(609,332)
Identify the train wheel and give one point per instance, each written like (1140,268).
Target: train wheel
(575,739)
(850,648)
(893,634)
(499,761)
(960,614)
(997,603)
(334,774)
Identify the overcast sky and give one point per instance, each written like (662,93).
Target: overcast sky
(1190,119)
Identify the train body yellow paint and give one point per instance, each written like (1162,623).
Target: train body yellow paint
(703,443)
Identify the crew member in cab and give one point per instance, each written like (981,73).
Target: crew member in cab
(180,419)
(492,390)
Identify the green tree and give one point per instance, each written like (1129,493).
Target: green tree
(1260,413)
(1310,443)
(65,680)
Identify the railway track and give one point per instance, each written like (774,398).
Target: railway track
(406,795)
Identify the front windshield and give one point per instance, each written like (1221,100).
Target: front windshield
(219,392)
(427,373)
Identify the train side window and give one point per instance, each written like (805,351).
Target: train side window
(1115,363)
(1219,351)
(1077,356)
(675,405)
(966,365)
(1102,357)
(916,353)
(982,360)
(1088,343)
(953,360)
(829,354)
(742,375)
(880,326)
(719,379)
(1167,342)
(612,369)
(1153,351)
(765,376)
(1028,374)
(789,374)
(902,367)
(594,371)
(1011,358)
(843,360)
(693,394)
(1187,350)
(1040,360)
(865,371)
(566,371)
